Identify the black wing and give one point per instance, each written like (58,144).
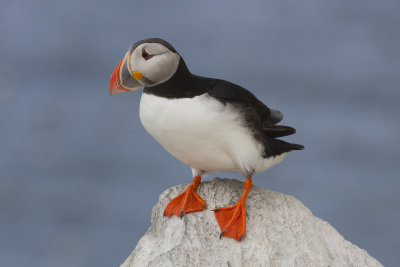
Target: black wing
(256,110)
(258,117)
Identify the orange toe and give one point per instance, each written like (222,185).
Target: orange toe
(187,201)
(232,220)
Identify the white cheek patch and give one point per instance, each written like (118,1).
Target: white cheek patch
(155,49)
(157,69)
(162,67)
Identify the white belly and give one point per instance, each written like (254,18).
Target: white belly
(203,133)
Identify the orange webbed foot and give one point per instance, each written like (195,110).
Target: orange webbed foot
(232,220)
(187,201)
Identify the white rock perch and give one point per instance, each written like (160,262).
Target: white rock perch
(281,231)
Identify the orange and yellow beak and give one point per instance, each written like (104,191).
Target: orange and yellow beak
(122,80)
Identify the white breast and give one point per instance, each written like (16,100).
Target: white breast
(203,133)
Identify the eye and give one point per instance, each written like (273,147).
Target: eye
(146,55)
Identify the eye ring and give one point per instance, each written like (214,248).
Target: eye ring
(146,55)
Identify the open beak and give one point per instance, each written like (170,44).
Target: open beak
(122,80)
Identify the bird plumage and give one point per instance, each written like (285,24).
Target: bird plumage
(208,124)
(254,115)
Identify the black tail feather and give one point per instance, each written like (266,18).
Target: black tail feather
(278,131)
(275,147)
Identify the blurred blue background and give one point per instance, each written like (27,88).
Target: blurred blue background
(79,174)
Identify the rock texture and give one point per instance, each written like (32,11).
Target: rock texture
(281,231)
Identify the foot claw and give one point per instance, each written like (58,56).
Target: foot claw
(222,233)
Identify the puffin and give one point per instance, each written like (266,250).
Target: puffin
(211,125)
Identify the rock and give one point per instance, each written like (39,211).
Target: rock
(281,231)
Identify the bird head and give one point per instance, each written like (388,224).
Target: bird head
(147,63)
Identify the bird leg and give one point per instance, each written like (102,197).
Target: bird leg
(232,220)
(187,201)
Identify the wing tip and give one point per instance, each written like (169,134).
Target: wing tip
(297,147)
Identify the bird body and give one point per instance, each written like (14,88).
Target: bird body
(205,134)
(208,124)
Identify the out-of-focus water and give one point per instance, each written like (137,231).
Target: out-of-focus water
(79,174)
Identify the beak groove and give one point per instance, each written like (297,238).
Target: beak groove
(115,81)
(121,79)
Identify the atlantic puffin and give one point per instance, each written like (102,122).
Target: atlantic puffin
(209,124)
